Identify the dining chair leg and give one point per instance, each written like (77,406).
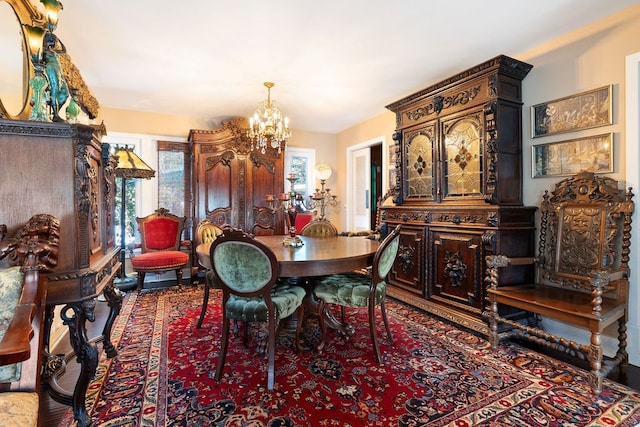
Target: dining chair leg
(140,282)
(383,308)
(372,329)
(245,339)
(205,303)
(179,276)
(271,352)
(299,322)
(223,348)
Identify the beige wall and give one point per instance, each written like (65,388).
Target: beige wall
(138,122)
(586,59)
(383,125)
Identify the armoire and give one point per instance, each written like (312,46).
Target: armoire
(232,179)
(459,190)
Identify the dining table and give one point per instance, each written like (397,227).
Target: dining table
(315,258)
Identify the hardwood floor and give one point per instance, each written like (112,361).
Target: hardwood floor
(51,412)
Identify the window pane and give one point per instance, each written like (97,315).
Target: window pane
(171,181)
(174,180)
(130,211)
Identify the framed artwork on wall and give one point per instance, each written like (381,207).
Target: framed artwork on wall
(592,153)
(581,111)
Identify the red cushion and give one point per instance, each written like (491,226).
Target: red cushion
(159,260)
(160,233)
(302,219)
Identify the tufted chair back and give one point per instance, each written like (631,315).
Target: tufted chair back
(319,228)
(207,232)
(160,231)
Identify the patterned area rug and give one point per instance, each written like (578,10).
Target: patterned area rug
(434,375)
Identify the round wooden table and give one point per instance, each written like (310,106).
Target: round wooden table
(319,256)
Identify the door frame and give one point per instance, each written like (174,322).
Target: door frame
(632,177)
(385,167)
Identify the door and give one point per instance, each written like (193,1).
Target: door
(361,190)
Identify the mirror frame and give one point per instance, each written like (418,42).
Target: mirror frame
(27,13)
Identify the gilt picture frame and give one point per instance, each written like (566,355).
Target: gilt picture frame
(584,110)
(591,153)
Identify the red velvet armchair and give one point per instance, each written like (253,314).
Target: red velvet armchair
(160,233)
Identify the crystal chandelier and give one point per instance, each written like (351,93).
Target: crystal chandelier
(268,126)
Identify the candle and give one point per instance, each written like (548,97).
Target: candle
(292,176)
(270,198)
(284,196)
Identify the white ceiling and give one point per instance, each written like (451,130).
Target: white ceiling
(335,62)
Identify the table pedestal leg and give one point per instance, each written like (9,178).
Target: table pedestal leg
(313,305)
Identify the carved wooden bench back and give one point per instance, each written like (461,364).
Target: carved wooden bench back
(585,229)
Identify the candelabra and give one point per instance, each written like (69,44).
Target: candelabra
(323,198)
(289,203)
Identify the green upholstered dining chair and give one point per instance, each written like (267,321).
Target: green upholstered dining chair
(355,289)
(206,232)
(319,228)
(247,271)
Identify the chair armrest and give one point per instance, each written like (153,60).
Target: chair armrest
(15,345)
(35,249)
(495,262)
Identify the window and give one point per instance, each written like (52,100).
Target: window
(174,180)
(301,163)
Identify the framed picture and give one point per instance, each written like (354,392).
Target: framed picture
(592,153)
(582,111)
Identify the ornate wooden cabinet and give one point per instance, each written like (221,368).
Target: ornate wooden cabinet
(64,170)
(231,181)
(459,189)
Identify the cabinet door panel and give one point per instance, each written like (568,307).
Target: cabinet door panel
(265,178)
(457,267)
(219,188)
(419,162)
(462,156)
(408,270)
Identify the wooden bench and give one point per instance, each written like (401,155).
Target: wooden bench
(22,300)
(581,273)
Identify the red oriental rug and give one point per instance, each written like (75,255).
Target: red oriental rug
(434,375)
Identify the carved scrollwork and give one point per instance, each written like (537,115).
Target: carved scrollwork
(440,103)
(406,256)
(258,160)
(454,268)
(491,179)
(224,159)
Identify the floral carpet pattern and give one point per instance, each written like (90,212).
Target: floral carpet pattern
(434,375)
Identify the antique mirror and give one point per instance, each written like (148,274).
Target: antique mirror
(15,66)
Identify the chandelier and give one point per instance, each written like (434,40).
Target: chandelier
(268,126)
